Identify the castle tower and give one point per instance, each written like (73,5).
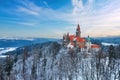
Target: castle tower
(68,39)
(78,32)
(88,43)
(64,40)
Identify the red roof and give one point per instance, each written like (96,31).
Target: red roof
(72,43)
(71,37)
(95,46)
(79,39)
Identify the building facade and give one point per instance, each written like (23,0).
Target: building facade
(72,41)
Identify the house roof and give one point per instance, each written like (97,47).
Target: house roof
(71,37)
(95,46)
(79,39)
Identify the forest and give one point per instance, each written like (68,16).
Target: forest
(52,61)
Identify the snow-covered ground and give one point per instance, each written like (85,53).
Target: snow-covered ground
(48,62)
(108,44)
(4,50)
(51,61)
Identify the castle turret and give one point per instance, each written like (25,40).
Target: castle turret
(64,39)
(88,43)
(78,32)
(68,39)
(88,39)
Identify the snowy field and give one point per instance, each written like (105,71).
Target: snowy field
(4,50)
(108,44)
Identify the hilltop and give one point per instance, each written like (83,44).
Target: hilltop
(52,61)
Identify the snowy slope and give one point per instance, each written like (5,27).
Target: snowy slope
(108,44)
(5,50)
(10,44)
(51,61)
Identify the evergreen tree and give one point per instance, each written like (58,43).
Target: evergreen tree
(111,51)
(1,73)
(8,67)
(118,51)
(15,57)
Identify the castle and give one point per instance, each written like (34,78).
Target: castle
(84,44)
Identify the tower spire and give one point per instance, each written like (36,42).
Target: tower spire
(78,32)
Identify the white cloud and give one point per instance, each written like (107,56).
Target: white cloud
(78,6)
(9,20)
(28,11)
(28,7)
(27,23)
(103,31)
(96,19)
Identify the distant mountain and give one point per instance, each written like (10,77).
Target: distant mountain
(18,42)
(13,42)
(10,44)
(110,40)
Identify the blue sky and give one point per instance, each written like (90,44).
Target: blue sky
(53,18)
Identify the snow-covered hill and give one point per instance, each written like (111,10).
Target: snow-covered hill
(51,61)
(5,50)
(10,44)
